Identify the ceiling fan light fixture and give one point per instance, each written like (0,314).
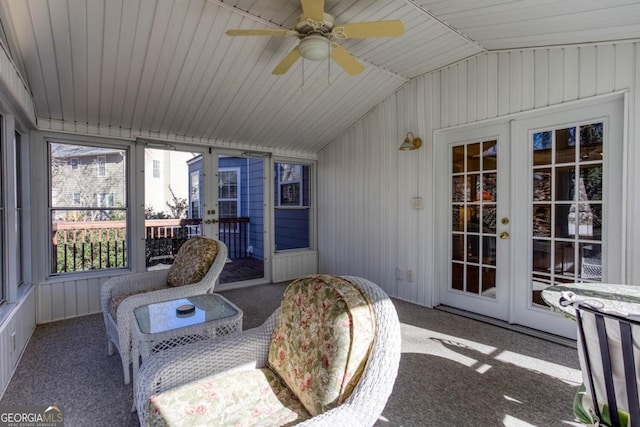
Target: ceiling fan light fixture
(314,47)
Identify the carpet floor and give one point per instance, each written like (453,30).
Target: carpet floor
(454,371)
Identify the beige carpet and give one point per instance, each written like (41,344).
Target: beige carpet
(454,371)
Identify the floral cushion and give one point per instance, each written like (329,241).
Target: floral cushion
(192,261)
(115,301)
(255,397)
(322,340)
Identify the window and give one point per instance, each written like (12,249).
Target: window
(228,193)
(195,194)
(3,289)
(105,200)
(74,164)
(289,184)
(102,166)
(88,215)
(19,213)
(292,206)
(567,208)
(156,168)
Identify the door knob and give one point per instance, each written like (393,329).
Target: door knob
(504,235)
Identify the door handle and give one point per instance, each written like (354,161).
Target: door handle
(504,235)
(211,221)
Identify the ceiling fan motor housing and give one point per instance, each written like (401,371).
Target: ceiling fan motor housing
(314,47)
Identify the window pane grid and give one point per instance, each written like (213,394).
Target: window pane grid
(292,201)
(566,206)
(473,217)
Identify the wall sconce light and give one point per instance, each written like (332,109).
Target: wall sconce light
(410,143)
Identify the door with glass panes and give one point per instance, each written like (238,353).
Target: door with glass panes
(569,207)
(529,204)
(473,206)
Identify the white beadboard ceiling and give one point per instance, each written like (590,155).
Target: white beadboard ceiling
(166,68)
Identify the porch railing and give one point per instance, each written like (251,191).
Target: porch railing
(90,245)
(233,232)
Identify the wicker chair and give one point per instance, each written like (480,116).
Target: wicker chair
(248,351)
(139,289)
(609,352)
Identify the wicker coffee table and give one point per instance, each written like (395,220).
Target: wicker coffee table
(160,326)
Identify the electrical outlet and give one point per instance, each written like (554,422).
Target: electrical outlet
(410,276)
(399,274)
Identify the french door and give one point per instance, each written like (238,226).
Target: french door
(192,191)
(568,212)
(473,205)
(529,204)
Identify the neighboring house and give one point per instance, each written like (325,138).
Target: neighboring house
(165,172)
(86,177)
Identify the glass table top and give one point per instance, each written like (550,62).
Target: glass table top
(623,300)
(163,316)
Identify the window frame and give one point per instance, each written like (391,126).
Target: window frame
(281,183)
(155,165)
(237,199)
(50,271)
(14,220)
(307,203)
(101,165)
(19,208)
(4,283)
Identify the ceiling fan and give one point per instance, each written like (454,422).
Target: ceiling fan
(317,31)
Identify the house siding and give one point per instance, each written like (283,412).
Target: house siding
(366,224)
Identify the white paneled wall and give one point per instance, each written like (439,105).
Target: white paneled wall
(70,298)
(292,264)
(15,332)
(367,226)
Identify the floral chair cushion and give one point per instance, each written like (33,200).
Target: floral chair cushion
(322,340)
(254,397)
(115,301)
(192,261)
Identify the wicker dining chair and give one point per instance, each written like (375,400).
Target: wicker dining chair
(194,271)
(222,379)
(609,352)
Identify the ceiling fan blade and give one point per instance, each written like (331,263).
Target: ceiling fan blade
(369,29)
(262,32)
(313,9)
(347,61)
(287,62)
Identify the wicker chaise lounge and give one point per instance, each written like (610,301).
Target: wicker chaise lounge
(328,356)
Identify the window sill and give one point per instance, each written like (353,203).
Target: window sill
(8,308)
(65,277)
(287,252)
(292,207)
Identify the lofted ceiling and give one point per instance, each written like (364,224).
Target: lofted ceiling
(166,66)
